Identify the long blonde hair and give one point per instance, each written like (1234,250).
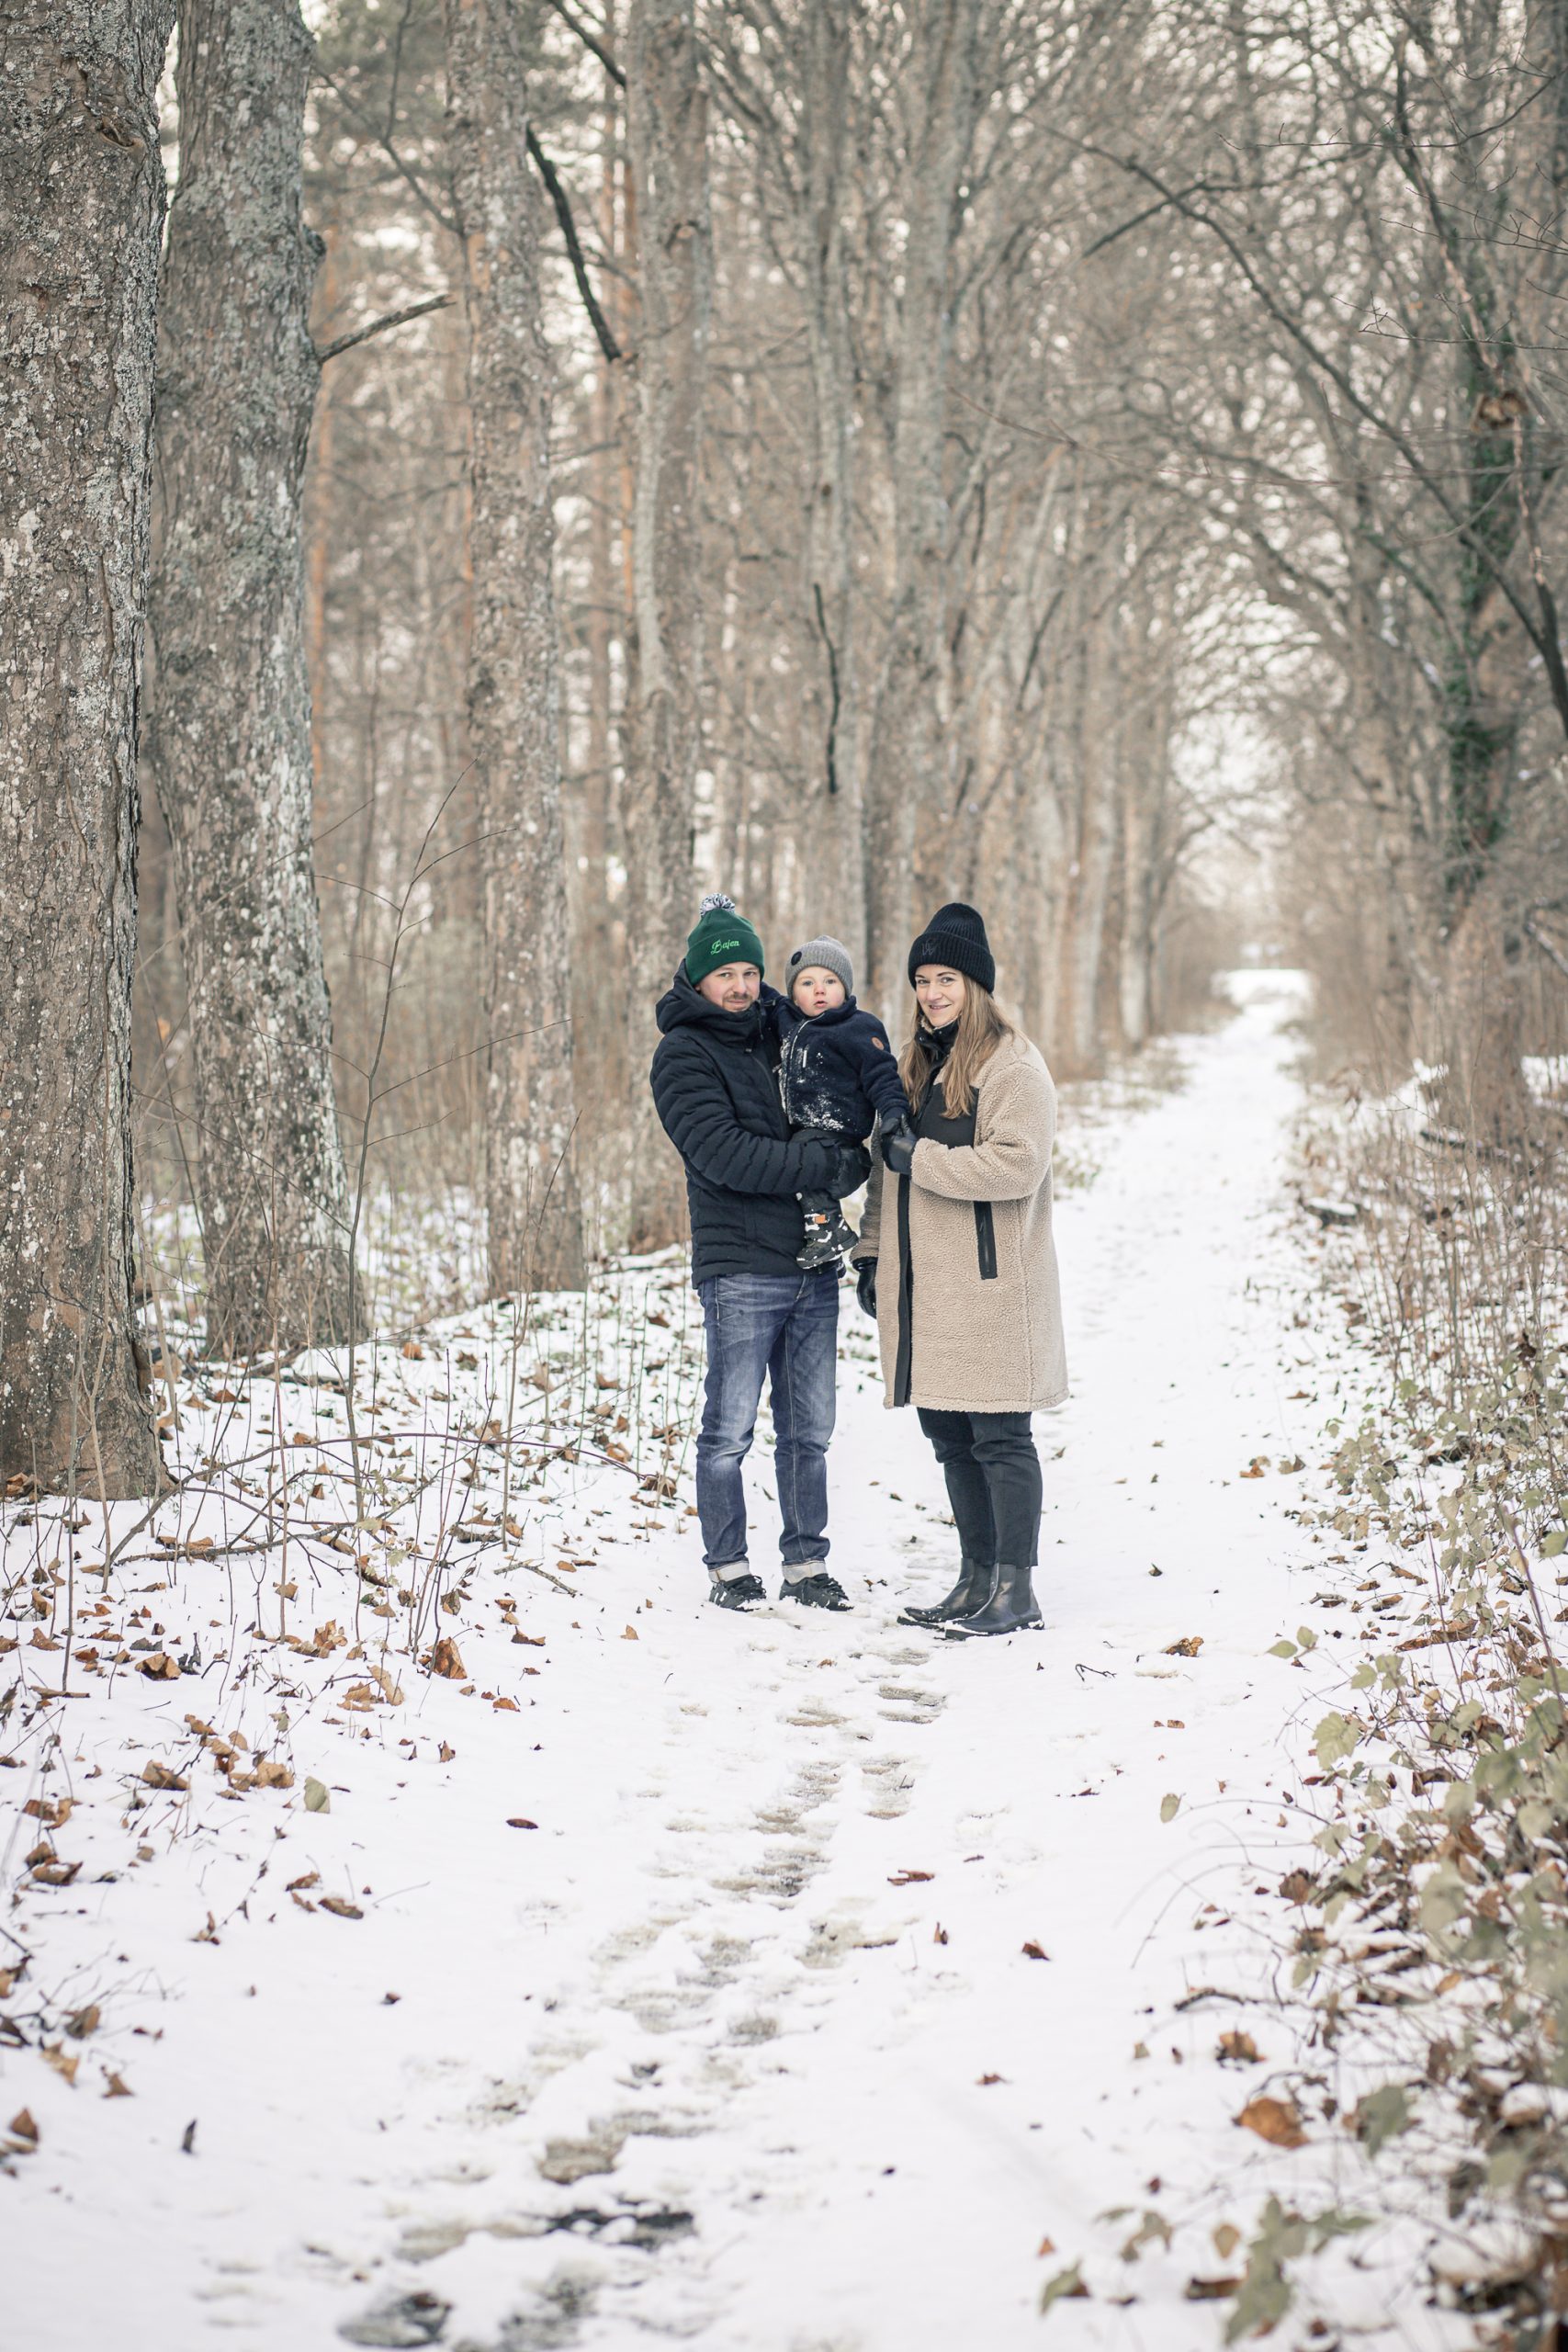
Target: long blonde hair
(982,1025)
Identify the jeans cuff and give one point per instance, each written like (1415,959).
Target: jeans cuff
(729,1570)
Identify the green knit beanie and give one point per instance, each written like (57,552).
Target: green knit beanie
(722,936)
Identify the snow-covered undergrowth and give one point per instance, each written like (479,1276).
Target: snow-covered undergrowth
(1439,1918)
(432,1922)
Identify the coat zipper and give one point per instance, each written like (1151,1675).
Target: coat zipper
(985,1240)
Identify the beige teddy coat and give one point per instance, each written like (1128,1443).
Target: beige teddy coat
(976,1325)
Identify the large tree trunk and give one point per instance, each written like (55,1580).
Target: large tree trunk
(834,843)
(666,132)
(231,733)
(82,193)
(599,982)
(534,1219)
(908,761)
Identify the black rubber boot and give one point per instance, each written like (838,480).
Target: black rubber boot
(971,1592)
(1011,1607)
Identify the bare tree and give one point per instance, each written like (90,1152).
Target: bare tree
(230,697)
(535,1222)
(662,723)
(82,190)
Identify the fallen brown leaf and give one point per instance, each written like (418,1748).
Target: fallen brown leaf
(341,1907)
(1035,1951)
(987,2079)
(1240,2047)
(84,2022)
(55,2055)
(1187,1646)
(22,2125)
(118,2085)
(159,1776)
(1274,2119)
(911,1878)
(444,1659)
(516,1821)
(161,1668)
(1210,2290)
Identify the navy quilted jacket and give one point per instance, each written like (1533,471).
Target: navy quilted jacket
(715,1088)
(838,1070)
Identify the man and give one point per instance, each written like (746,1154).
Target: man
(716,1088)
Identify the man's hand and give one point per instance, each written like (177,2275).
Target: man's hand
(899,1143)
(865,1286)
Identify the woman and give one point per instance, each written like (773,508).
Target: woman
(970,1316)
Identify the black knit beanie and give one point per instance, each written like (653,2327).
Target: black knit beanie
(955,936)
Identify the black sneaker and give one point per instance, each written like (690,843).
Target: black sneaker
(820,1591)
(734,1592)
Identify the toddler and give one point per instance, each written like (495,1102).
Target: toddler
(838,1075)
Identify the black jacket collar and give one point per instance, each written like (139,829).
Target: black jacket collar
(828,1020)
(684,1007)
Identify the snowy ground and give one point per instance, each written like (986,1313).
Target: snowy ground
(782,1984)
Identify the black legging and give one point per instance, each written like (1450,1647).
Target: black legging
(993,1483)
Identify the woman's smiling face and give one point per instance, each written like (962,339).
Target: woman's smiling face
(939,992)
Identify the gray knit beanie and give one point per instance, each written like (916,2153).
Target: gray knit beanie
(829,956)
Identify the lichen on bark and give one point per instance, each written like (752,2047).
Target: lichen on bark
(82,194)
(231,701)
(534,1218)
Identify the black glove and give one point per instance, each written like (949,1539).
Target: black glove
(865,1286)
(850,1167)
(899,1143)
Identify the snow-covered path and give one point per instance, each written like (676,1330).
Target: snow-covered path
(745,2042)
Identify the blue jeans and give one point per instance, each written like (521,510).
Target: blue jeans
(786,1326)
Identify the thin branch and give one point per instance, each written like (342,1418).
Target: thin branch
(548,173)
(591,41)
(1538,938)
(381,325)
(403,171)
(833,682)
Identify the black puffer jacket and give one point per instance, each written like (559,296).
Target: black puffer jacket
(715,1088)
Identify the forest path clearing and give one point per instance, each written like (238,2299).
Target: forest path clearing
(745,2046)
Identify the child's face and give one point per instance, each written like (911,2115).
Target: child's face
(817,990)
